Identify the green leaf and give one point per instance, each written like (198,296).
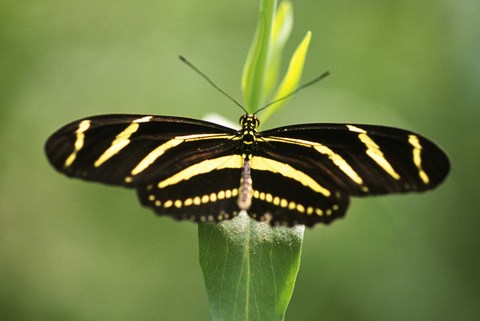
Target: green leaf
(249,268)
(282,27)
(257,64)
(292,77)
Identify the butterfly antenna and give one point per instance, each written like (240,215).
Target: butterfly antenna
(299,88)
(188,63)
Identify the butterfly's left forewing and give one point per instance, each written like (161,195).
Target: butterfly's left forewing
(129,149)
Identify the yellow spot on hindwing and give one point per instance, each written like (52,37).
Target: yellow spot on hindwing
(374,152)
(205,199)
(291,205)
(276,201)
(268,197)
(213,197)
(417,158)
(300,208)
(79,141)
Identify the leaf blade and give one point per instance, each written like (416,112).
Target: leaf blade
(249,267)
(292,77)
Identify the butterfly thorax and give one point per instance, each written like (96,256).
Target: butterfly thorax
(248,132)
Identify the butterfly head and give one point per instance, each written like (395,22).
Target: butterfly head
(249,121)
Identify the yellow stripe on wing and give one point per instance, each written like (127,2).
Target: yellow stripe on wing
(273,166)
(322,149)
(79,141)
(374,152)
(161,149)
(417,158)
(203,167)
(121,141)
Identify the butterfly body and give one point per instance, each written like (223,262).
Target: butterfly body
(197,170)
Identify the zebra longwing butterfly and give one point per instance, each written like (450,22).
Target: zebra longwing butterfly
(201,171)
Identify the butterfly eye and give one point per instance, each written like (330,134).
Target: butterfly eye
(241,120)
(257,122)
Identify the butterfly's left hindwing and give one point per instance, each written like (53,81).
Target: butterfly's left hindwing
(210,196)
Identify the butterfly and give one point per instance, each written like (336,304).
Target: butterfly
(200,171)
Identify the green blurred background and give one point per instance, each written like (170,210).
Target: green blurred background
(71,250)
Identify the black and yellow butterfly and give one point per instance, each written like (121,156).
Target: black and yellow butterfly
(197,170)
